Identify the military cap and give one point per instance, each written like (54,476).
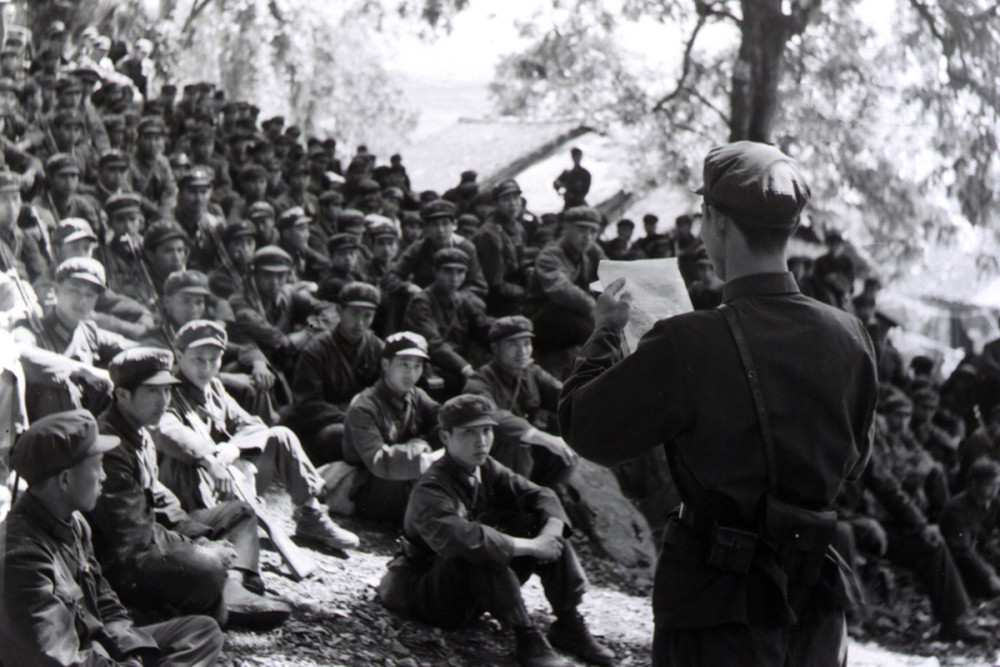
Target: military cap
(358,294)
(142,366)
(316,151)
(467,410)
(272,258)
(897,403)
(983,470)
(340,242)
(650,219)
(56,443)
(238,229)
(405,344)
(293,131)
(468,220)
(428,196)
(189,282)
(260,208)
(381,228)
(160,232)
(332,197)
(72,229)
(926,398)
(180,164)
(201,333)
(350,217)
(251,171)
(278,121)
(439,208)
(55,28)
(469,176)
(507,187)
(85,269)
(68,118)
(152,125)
(684,220)
(197,177)
(206,87)
(755,184)
(10,181)
(68,84)
(625,222)
(122,202)
(392,192)
(451,257)
(368,187)
(61,162)
(113,157)
(9,85)
(86,71)
(168,89)
(410,219)
(373,219)
(293,217)
(511,326)
(582,215)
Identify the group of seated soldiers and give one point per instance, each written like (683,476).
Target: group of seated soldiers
(195,304)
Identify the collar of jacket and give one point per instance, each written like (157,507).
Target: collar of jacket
(760,284)
(391,398)
(64,531)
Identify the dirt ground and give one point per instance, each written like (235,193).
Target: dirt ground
(337,619)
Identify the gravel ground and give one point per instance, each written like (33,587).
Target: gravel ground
(337,619)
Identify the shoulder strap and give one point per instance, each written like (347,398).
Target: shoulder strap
(743,346)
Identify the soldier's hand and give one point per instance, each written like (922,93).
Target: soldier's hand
(547,547)
(98,378)
(263,378)
(227,453)
(933,535)
(614,305)
(220,475)
(559,447)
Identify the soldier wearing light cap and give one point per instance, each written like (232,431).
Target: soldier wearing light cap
(47,541)
(460,558)
(753,481)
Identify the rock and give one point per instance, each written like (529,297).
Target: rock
(598,507)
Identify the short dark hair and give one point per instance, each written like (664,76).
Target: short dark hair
(983,470)
(760,241)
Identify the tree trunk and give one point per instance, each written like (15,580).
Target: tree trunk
(757,72)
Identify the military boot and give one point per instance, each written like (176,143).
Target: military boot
(534,651)
(251,611)
(570,633)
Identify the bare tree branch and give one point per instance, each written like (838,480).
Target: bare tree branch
(685,67)
(802,12)
(196,9)
(705,9)
(928,18)
(708,103)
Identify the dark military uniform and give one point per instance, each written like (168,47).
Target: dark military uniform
(501,248)
(576,182)
(416,265)
(969,527)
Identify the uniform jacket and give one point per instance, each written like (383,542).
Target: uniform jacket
(56,608)
(501,252)
(378,426)
(328,374)
(576,182)
(448,324)
(204,232)
(518,397)
(154,181)
(448,509)
(20,252)
(967,524)
(416,264)
(685,388)
(269,329)
(563,277)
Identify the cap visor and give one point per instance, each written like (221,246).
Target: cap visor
(87,278)
(455,265)
(103,443)
(76,236)
(204,342)
(161,378)
(412,352)
(273,269)
(485,420)
(194,289)
(359,304)
(519,334)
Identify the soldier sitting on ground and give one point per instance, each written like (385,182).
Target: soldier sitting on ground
(969,524)
(390,431)
(160,559)
(333,368)
(56,607)
(474,531)
(206,431)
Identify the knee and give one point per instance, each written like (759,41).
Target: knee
(285,438)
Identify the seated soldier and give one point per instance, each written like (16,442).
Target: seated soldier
(194,215)
(159,558)
(205,431)
(294,226)
(384,240)
(451,321)
(969,525)
(283,319)
(522,389)
(388,430)
(344,252)
(474,532)
(559,300)
(333,368)
(56,607)
(416,263)
(64,361)
(233,275)
(263,217)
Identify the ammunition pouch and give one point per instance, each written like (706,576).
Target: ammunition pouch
(731,549)
(800,538)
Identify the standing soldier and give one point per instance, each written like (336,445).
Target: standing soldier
(747,573)
(573,184)
(152,178)
(56,607)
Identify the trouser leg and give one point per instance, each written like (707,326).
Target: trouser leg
(234,521)
(382,499)
(178,579)
(327,445)
(820,640)
(729,645)
(936,569)
(283,458)
(189,641)
(548,469)
(453,592)
(563,579)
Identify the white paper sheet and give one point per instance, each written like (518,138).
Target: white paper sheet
(657,290)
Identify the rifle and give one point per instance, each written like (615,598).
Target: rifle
(298,561)
(246,286)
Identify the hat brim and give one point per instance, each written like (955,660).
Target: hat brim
(206,342)
(85,277)
(454,265)
(103,443)
(412,352)
(160,379)
(483,420)
(76,236)
(516,334)
(360,304)
(194,289)
(273,268)
(585,223)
